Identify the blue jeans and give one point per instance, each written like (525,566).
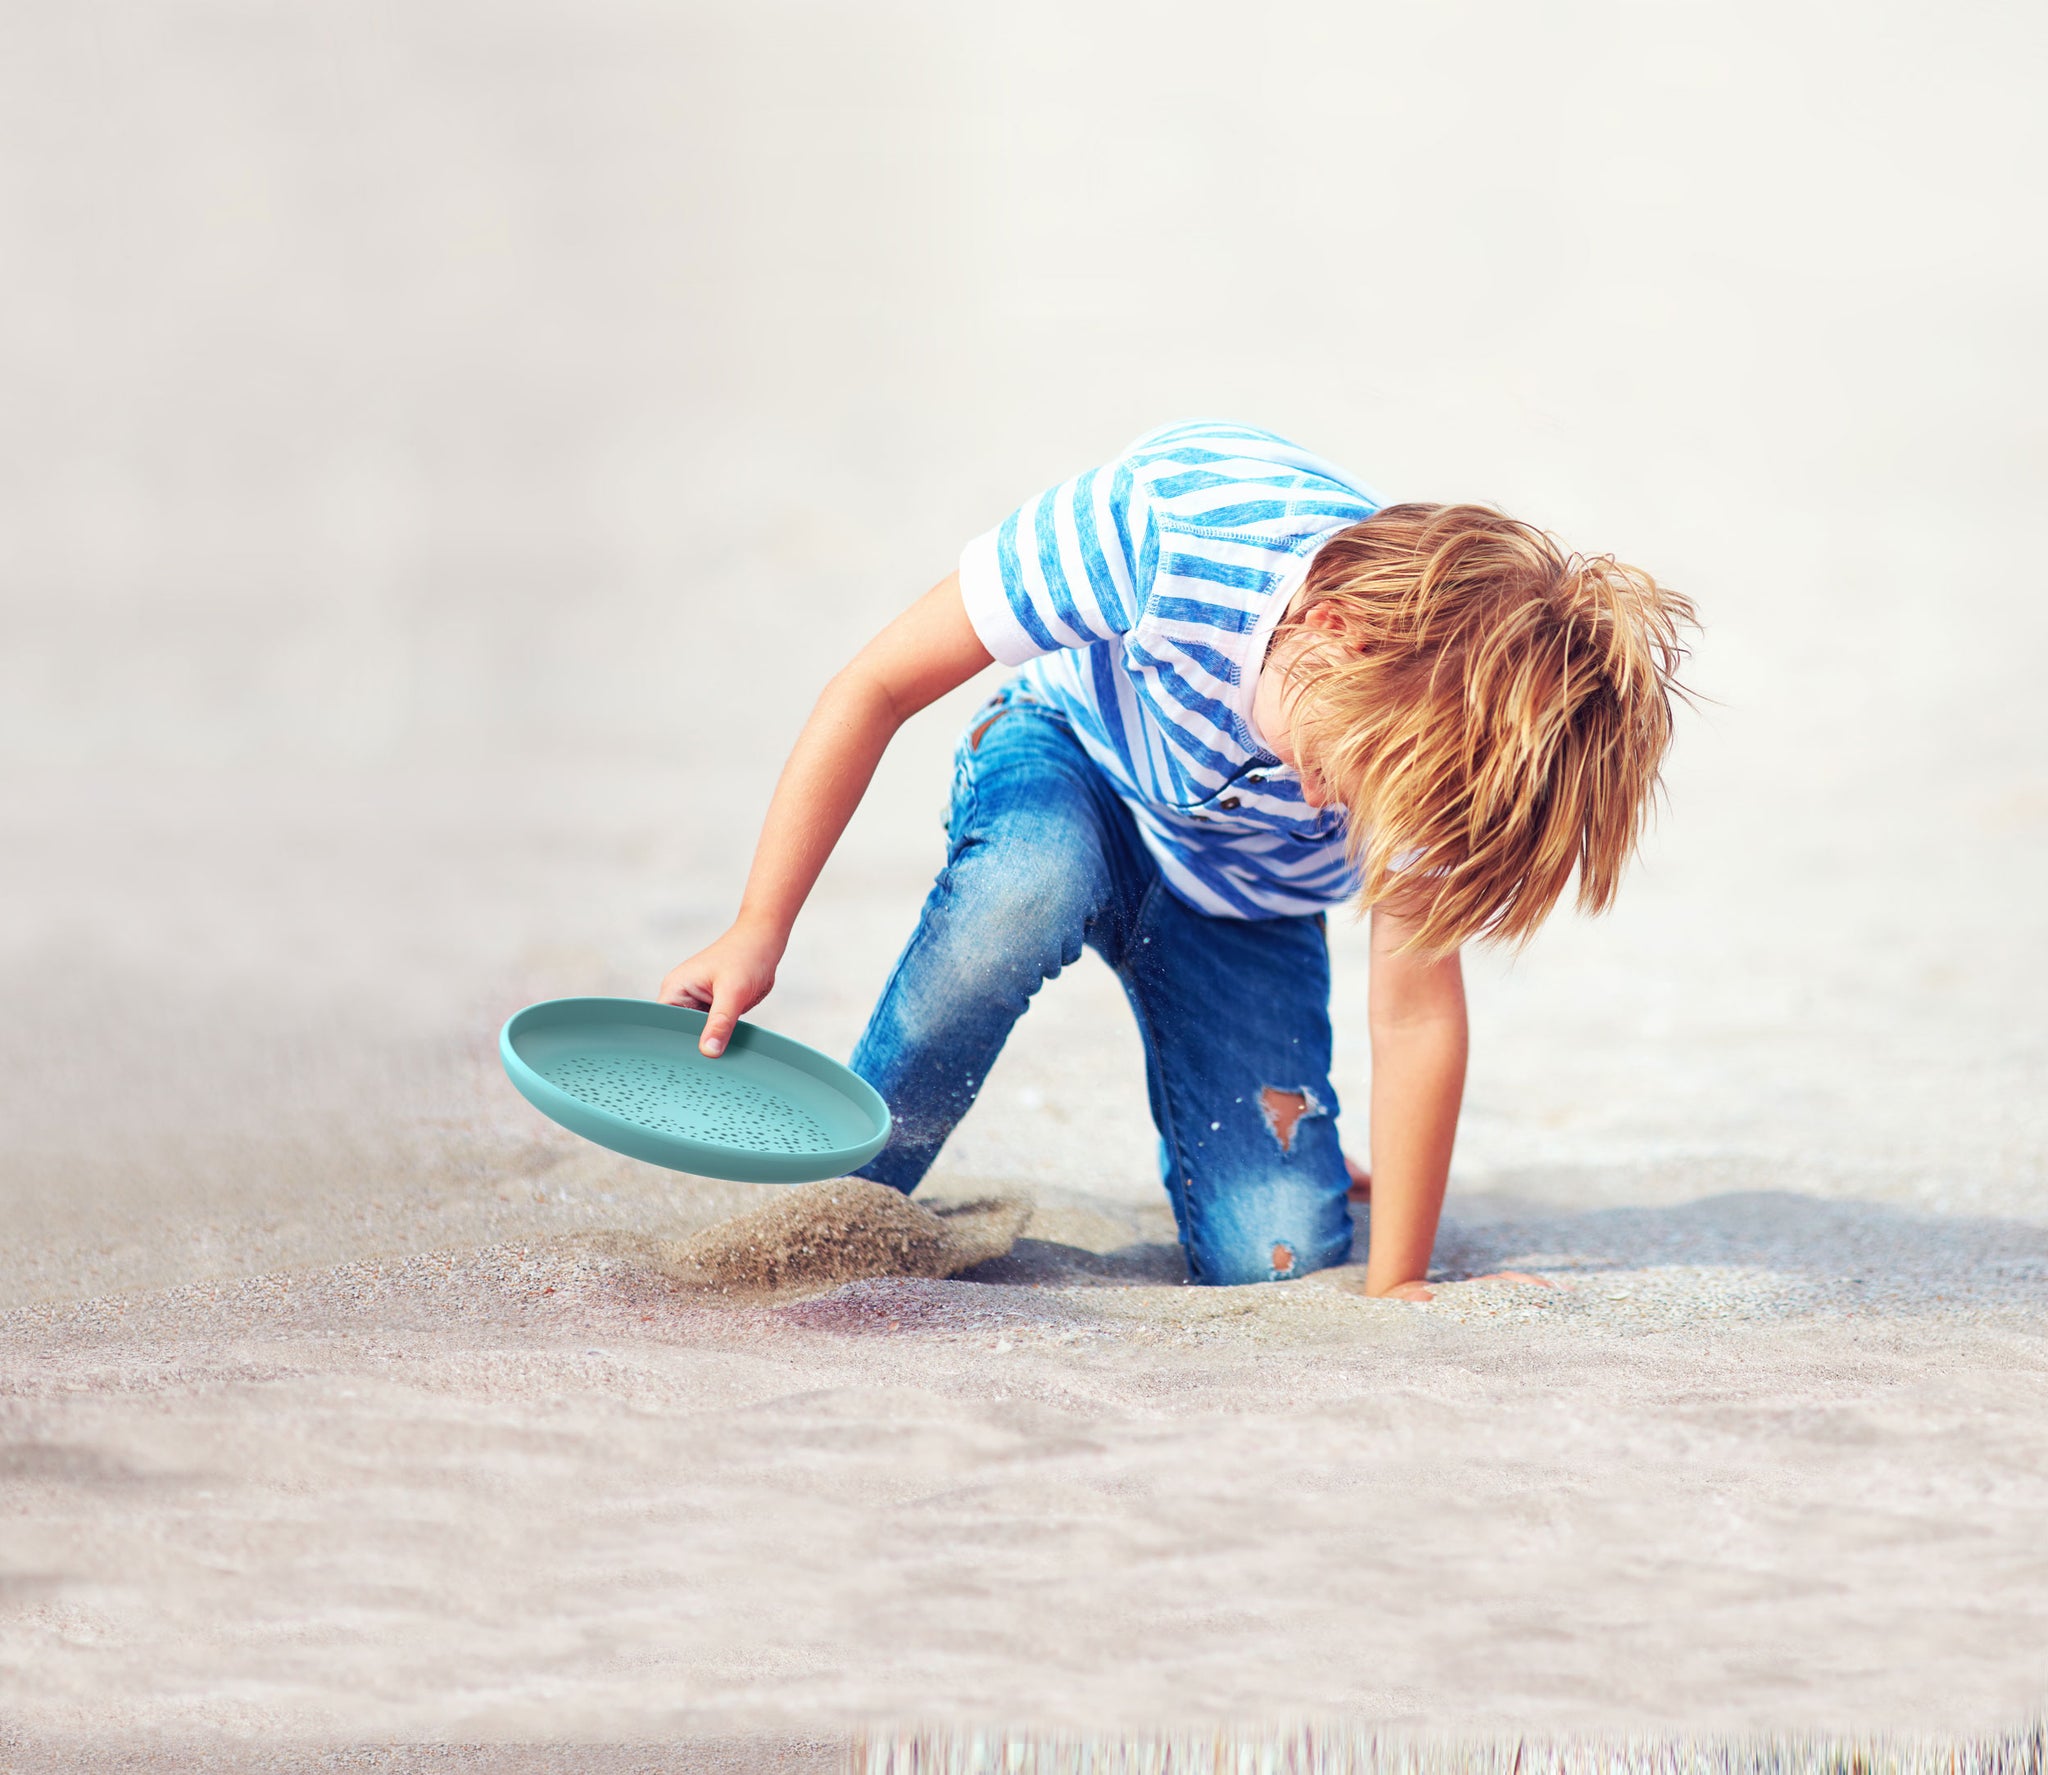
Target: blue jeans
(1042,858)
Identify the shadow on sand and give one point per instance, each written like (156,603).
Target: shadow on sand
(1895,1254)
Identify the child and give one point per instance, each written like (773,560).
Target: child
(1249,690)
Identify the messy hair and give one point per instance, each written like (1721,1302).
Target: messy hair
(1492,709)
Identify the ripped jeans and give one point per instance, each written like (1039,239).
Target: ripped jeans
(1043,858)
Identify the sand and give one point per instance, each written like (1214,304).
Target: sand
(1755,1467)
(447,446)
(817,1236)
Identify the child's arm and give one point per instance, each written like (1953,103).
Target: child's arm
(1417,1012)
(1416,1009)
(928,650)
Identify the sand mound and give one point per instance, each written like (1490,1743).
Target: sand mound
(819,1235)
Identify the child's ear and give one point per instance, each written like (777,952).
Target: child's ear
(1323,615)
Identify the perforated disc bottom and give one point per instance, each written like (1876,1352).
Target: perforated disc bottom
(694,1102)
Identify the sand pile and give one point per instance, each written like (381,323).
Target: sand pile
(819,1235)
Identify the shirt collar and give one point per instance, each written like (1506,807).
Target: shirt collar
(1259,640)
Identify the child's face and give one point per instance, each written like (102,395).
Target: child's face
(1276,736)
(1276,694)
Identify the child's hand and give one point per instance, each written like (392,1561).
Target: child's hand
(729,979)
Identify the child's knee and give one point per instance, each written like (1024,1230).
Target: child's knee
(1274,1241)
(992,934)
(1023,896)
(1231,1263)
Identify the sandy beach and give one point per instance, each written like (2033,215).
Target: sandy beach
(446,449)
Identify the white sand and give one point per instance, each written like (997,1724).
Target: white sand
(447,447)
(508,1493)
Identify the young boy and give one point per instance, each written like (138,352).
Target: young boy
(1249,690)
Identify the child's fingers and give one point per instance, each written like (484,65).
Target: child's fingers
(718,1027)
(685,985)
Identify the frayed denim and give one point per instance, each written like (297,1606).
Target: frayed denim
(1044,859)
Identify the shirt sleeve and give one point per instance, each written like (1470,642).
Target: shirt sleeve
(1066,569)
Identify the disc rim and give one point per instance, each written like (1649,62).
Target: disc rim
(677,1152)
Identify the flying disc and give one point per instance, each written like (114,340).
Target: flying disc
(625,1072)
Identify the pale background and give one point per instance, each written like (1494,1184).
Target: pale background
(444,447)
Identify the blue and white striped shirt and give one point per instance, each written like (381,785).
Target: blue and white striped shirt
(1139,599)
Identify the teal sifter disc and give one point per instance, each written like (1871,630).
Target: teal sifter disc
(625,1072)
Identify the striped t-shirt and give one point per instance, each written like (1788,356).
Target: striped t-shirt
(1139,599)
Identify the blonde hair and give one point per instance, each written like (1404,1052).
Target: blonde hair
(1492,709)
